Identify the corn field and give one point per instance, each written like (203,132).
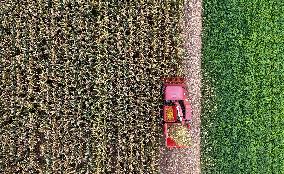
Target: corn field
(80,84)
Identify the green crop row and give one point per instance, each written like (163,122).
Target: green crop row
(243,87)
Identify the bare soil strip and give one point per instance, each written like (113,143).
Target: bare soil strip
(178,161)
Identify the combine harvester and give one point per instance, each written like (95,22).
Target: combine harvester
(176,113)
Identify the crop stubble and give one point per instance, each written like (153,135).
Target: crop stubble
(188,160)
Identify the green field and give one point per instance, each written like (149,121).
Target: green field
(243,87)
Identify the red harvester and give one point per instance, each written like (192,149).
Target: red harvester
(176,110)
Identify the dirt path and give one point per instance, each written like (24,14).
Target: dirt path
(180,161)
